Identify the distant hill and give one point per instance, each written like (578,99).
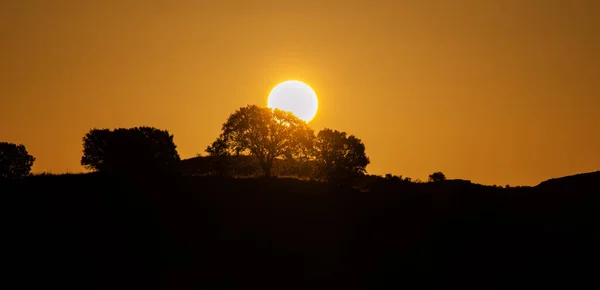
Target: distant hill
(590,181)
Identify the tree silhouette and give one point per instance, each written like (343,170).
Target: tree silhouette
(218,147)
(437,177)
(264,133)
(15,161)
(342,158)
(221,160)
(134,150)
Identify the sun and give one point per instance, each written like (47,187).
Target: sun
(296,97)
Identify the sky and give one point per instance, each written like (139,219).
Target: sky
(496,92)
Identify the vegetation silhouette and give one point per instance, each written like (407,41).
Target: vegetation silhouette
(272,135)
(139,150)
(342,159)
(206,227)
(437,177)
(264,133)
(15,161)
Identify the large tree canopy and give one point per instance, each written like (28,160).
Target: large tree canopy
(140,149)
(342,157)
(264,133)
(15,161)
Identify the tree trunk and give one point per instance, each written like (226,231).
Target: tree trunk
(266,166)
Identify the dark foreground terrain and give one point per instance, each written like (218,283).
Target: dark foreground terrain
(106,232)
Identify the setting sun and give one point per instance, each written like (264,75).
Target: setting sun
(296,97)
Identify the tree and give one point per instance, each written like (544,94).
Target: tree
(437,177)
(342,158)
(15,161)
(220,157)
(133,150)
(264,133)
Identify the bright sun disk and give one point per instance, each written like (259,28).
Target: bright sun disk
(296,97)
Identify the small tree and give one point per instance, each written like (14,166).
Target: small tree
(342,158)
(134,150)
(220,158)
(264,133)
(437,177)
(15,161)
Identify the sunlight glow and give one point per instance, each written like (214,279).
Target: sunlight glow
(296,97)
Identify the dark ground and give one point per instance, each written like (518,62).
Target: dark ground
(105,232)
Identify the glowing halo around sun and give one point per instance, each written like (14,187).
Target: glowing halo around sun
(296,97)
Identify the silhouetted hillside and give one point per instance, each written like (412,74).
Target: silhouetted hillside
(241,165)
(244,166)
(587,181)
(98,231)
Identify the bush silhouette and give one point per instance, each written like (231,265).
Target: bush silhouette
(134,150)
(342,158)
(264,133)
(437,177)
(15,161)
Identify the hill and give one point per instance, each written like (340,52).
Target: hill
(95,231)
(589,180)
(244,166)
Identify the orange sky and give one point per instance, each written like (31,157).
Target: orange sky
(498,92)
